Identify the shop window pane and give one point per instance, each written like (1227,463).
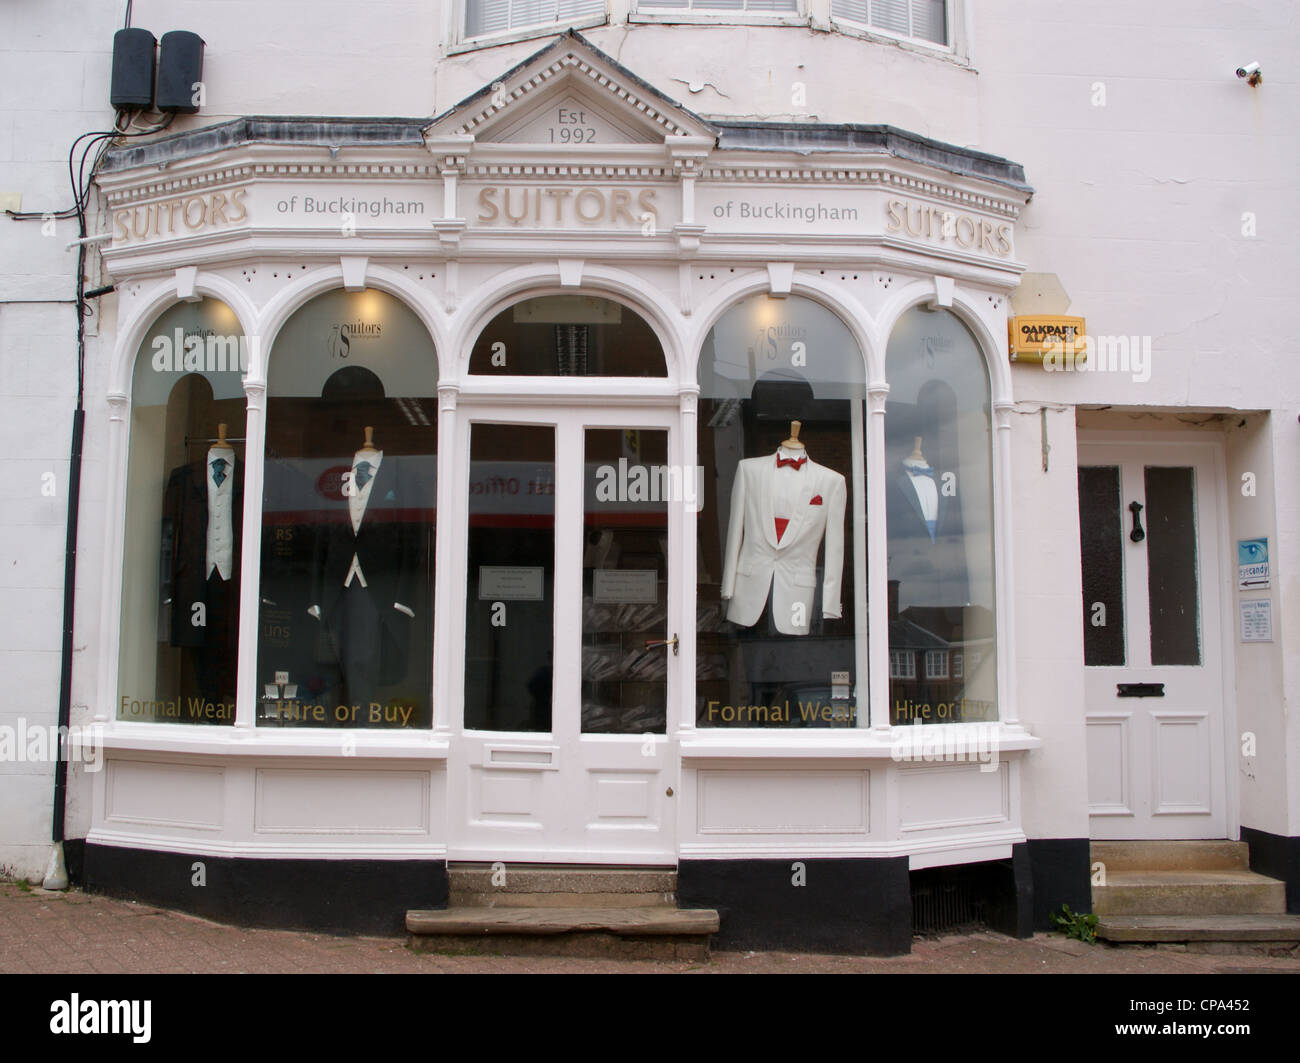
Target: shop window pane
(939,501)
(629,486)
(184,519)
(1101,542)
(776,640)
(510,605)
(1171,566)
(567,335)
(348,512)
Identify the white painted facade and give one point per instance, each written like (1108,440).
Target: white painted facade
(1145,153)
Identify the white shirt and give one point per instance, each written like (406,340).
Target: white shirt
(927,495)
(358,500)
(787,485)
(221,528)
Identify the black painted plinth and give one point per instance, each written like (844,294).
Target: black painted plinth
(1276,856)
(335,896)
(860,907)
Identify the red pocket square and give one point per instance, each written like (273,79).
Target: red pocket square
(816,500)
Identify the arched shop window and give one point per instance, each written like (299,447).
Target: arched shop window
(346,623)
(781,412)
(184,519)
(939,498)
(568,335)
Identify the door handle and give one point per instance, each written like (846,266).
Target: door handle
(1137,534)
(652,643)
(1139,690)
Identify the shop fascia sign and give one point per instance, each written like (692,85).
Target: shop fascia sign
(611,205)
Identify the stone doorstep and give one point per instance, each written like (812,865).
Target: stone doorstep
(1166,893)
(1273,929)
(644,921)
(522,878)
(1172,855)
(693,948)
(503,899)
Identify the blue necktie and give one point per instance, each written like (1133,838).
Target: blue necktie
(363,474)
(219,470)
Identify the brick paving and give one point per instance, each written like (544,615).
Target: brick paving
(75,932)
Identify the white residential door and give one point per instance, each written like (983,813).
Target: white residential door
(568,672)
(1153,637)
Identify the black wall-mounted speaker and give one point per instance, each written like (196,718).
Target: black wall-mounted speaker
(180,70)
(133,65)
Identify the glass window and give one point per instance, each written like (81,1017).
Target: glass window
(510,608)
(780,441)
(625,580)
(184,519)
(568,335)
(483,17)
(939,500)
(923,19)
(348,511)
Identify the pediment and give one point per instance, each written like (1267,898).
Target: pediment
(572,94)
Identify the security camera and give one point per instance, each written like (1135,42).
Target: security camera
(1251,71)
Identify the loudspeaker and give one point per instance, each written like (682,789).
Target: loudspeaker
(133,67)
(180,70)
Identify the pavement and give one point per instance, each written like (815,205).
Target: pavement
(79,933)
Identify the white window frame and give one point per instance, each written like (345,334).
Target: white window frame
(933,660)
(958,660)
(456,14)
(896,660)
(956,17)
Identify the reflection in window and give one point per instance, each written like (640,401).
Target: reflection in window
(510,605)
(348,513)
(939,499)
(568,335)
(780,441)
(625,580)
(184,519)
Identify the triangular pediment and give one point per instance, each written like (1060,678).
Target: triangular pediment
(572,94)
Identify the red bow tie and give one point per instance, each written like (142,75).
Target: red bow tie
(794,463)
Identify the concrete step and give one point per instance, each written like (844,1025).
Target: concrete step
(1223,892)
(1172,856)
(637,932)
(540,886)
(1155,928)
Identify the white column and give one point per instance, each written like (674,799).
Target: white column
(877,558)
(110,605)
(1004,555)
(688,399)
(445,609)
(250,564)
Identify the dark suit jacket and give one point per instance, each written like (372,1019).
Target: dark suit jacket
(184,569)
(389,551)
(929,572)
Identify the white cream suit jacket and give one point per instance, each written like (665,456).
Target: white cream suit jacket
(755,559)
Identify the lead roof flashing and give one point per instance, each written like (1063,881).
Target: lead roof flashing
(804,139)
(272,129)
(809,139)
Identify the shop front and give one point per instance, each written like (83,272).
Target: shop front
(569,480)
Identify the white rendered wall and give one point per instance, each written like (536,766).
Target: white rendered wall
(54,63)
